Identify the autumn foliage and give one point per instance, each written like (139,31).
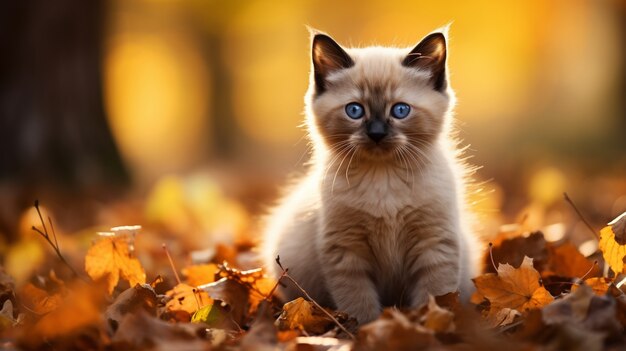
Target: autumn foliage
(123,289)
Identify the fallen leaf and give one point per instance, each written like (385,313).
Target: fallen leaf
(187,298)
(132,300)
(613,243)
(6,316)
(502,317)
(38,300)
(437,319)
(303,315)
(572,308)
(200,274)
(262,334)
(111,257)
(513,251)
(599,285)
(515,288)
(394,331)
(80,309)
(566,261)
(232,296)
(140,331)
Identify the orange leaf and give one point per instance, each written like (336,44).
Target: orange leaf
(599,285)
(80,308)
(187,298)
(566,261)
(200,274)
(515,288)
(38,300)
(613,243)
(111,257)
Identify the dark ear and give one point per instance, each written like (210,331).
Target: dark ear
(328,57)
(430,55)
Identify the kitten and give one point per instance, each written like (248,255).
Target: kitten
(379,220)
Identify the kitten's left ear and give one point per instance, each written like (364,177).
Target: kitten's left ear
(430,55)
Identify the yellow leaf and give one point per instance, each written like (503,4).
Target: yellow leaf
(613,243)
(111,257)
(515,288)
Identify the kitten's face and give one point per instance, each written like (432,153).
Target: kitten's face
(379,102)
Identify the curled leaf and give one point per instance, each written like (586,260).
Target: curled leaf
(613,243)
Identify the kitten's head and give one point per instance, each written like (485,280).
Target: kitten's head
(377,101)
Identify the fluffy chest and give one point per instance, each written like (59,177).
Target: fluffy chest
(379,192)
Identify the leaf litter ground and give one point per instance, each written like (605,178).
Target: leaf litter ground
(128,295)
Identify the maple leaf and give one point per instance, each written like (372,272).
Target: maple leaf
(111,257)
(515,288)
(613,243)
(301,314)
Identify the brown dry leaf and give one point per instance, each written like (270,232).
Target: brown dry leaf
(132,300)
(111,257)
(258,284)
(39,300)
(513,251)
(187,298)
(232,296)
(303,315)
(200,274)
(438,319)
(140,331)
(515,288)
(613,243)
(573,307)
(566,261)
(502,317)
(394,331)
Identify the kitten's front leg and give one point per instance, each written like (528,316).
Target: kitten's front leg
(349,283)
(435,268)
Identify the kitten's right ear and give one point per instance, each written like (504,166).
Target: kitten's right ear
(328,57)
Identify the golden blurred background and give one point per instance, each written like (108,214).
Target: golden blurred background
(188,89)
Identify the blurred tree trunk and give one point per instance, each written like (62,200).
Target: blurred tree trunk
(53,127)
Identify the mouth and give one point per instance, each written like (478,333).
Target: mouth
(382,149)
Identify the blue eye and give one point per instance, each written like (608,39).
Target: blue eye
(355,110)
(400,110)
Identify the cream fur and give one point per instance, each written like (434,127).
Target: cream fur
(367,228)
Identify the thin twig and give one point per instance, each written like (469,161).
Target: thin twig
(286,275)
(589,271)
(167,252)
(493,263)
(580,215)
(54,244)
